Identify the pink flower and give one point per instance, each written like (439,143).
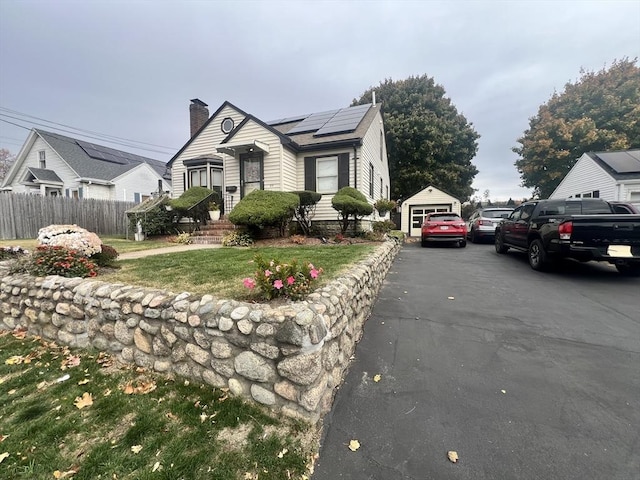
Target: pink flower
(290,280)
(249,282)
(268,273)
(314,273)
(278,284)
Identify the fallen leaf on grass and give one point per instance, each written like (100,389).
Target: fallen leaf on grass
(156,467)
(3,456)
(67,474)
(453,456)
(63,378)
(141,388)
(70,361)
(12,391)
(15,360)
(85,401)
(354,445)
(3,438)
(282,453)
(84,382)
(20,333)
(376,378)
(171,416)
(136,448)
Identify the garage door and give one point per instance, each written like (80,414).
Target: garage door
(418,212)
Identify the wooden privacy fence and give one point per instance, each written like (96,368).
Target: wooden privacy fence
(22,215)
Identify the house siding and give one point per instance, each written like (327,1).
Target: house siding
(53,162)
(587,176)
(203,145)
(142,179)
(371,156)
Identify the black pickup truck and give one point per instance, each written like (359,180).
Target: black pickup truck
(582,229)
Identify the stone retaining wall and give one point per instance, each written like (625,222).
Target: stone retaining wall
(289,357)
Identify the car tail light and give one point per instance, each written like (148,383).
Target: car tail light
(483,222)
(565,229)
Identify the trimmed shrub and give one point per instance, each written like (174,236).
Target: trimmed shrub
(265,208)
(350,203)
(11,253)
(182,205)
(106,258)
(305,211)
(237,239)
(384,226)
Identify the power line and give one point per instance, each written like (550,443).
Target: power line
(100,136)
(80,134)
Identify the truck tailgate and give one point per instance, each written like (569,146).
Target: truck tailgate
(613,235)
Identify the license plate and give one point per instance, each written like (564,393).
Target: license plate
(619,251)
(444,227)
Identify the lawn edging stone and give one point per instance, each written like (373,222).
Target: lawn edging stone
(290,357)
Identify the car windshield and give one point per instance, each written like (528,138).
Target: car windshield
(496,213)
(445,217)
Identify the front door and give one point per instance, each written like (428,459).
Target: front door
(251,172)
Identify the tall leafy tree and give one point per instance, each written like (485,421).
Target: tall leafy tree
(6,160)
(428,141)
(600,112)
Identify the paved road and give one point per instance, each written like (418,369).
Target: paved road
(526,375)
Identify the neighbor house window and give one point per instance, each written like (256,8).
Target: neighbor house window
(43,159)
(327,174)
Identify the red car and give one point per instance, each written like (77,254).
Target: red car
(444,227)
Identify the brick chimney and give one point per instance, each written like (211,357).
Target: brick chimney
(199,114)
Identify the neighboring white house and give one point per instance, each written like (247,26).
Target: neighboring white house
(56,165)
(612,176)
(415,208)
(234,153)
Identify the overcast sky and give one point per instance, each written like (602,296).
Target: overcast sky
(129,68)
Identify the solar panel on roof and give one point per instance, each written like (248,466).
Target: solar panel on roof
(313,122)
(621,162)
(107,154)
(287,120)
(346,120)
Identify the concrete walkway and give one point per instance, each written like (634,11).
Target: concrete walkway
(160,251)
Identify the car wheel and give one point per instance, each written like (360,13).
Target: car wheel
(499,244)
(629,270)
(537,256)
(463,243)
(472,236)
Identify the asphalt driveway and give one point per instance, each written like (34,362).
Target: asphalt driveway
(525,375)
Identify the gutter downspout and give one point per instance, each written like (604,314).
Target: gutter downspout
(355,166)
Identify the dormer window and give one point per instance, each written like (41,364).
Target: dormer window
(42,157)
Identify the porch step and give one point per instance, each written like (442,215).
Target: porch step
(213,232)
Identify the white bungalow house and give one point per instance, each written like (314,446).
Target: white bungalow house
(57,165)
(234,153)
(416,207)
(612,176)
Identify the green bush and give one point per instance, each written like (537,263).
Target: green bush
(383,206)
(237,239)
(277,279)
(397,234)
(10,253)
(350,203)
(384,226)
(183,205)
(305,211)
(265,208)
(105,258)
(56,260)
(157,221)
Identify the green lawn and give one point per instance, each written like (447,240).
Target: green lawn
(121,244)
(220,271)
(133,424)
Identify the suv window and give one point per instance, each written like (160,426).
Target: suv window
(527,210)
(496,213)
(444,217)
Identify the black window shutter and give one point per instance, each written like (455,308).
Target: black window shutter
(343,170)
(80,192)
(310,173)
(596,194)
(66,192)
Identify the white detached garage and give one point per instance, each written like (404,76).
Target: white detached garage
(415,208)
